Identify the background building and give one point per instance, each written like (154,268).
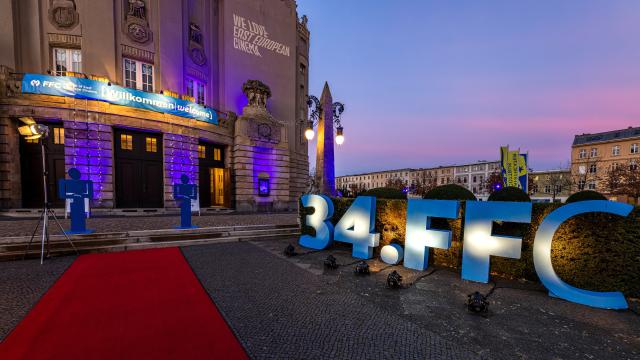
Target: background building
(607,162)
(550,185)
(471,176)
(200,51)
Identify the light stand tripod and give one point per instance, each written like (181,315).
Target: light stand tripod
(46,211)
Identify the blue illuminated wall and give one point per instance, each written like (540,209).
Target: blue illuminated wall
(180,157)
(88,147)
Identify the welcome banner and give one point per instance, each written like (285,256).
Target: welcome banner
(96,90)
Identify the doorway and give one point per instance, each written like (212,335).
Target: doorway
(31,168)
(214,178)
(138,169)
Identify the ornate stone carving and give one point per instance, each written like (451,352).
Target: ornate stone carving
(257,93)
(63,14)
(196,47)
(136,23)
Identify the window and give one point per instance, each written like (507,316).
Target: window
(634,148)
(303,69)
(66,60)
(615,151)
(126,142)
(581,185)
(201,152)
(217,154)
(594,152)
(633,165)
(58,136)
(547,188)
(593,168)
(152,144)
(582,154)
(196,89)
(138,75)
(591,186)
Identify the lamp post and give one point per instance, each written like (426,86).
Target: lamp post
(337,109)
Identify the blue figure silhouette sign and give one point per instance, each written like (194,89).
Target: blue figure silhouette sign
(185,192)
(76,191)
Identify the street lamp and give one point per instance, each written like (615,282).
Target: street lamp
(314,117)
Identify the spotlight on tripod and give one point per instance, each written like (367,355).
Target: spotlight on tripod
(477,303)
(394,280)
(290,251)
(33,131)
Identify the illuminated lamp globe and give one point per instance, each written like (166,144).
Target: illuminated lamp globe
(340,135)
(309,134)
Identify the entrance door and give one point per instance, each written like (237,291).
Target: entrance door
(138,169)
(31,168)
(213,191)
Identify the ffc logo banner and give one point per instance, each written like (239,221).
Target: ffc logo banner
(96,90)
(357,227)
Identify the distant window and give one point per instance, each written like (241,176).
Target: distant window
(217,154)
(591,186)
(594,152)
(634,148)
(152,144)
(547,188)
(593,168)
(66,60)
(126,142)
(58,136)
(201,152)
(615,151)
(581,185)
(582,154)
(633,165)
(303,69)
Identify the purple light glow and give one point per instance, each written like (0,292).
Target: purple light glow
(264,162)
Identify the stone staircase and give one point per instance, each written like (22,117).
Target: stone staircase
(13,248)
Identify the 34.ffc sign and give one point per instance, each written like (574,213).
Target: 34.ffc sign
(357,227)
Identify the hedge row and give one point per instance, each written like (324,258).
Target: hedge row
(598,252)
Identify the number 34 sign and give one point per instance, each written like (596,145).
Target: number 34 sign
(357,227)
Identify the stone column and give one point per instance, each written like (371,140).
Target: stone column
(10,187)
(325,168)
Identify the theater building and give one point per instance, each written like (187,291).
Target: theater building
(138,92)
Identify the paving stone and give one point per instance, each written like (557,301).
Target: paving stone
(280,311)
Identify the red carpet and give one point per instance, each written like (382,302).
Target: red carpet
(144,304)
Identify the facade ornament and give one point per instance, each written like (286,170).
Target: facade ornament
(261,125)
(136,23)
(196,45)
(63,14)
(257,93)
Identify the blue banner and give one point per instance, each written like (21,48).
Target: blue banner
(96,90)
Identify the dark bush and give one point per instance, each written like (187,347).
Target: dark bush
(385,193)
(510,193)
(585,195)
(450,192)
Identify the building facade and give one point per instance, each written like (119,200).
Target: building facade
(212,89)
(550,185)
(471,176)
(593,156)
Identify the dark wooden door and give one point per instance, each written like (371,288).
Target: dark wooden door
(31,168)
(138,169)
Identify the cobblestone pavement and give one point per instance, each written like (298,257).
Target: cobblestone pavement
(280,311)
(22,283)
(24,227)
(523,321)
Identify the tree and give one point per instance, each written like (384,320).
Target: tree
(554,183)
(395,183)
(493,182)
(587,171)
(425,182)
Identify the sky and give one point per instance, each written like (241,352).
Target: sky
(428,83)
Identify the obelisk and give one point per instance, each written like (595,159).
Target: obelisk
(325,169)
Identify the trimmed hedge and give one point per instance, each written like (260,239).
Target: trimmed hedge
(510,193)
(585,195)
(450,192)
(597,252)
(385,193)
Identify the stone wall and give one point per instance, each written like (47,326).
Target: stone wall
(10,189)
(180,157)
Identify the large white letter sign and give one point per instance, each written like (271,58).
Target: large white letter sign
(479,244)
(319,221)
(542,255)
(357,227)
(419,237)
